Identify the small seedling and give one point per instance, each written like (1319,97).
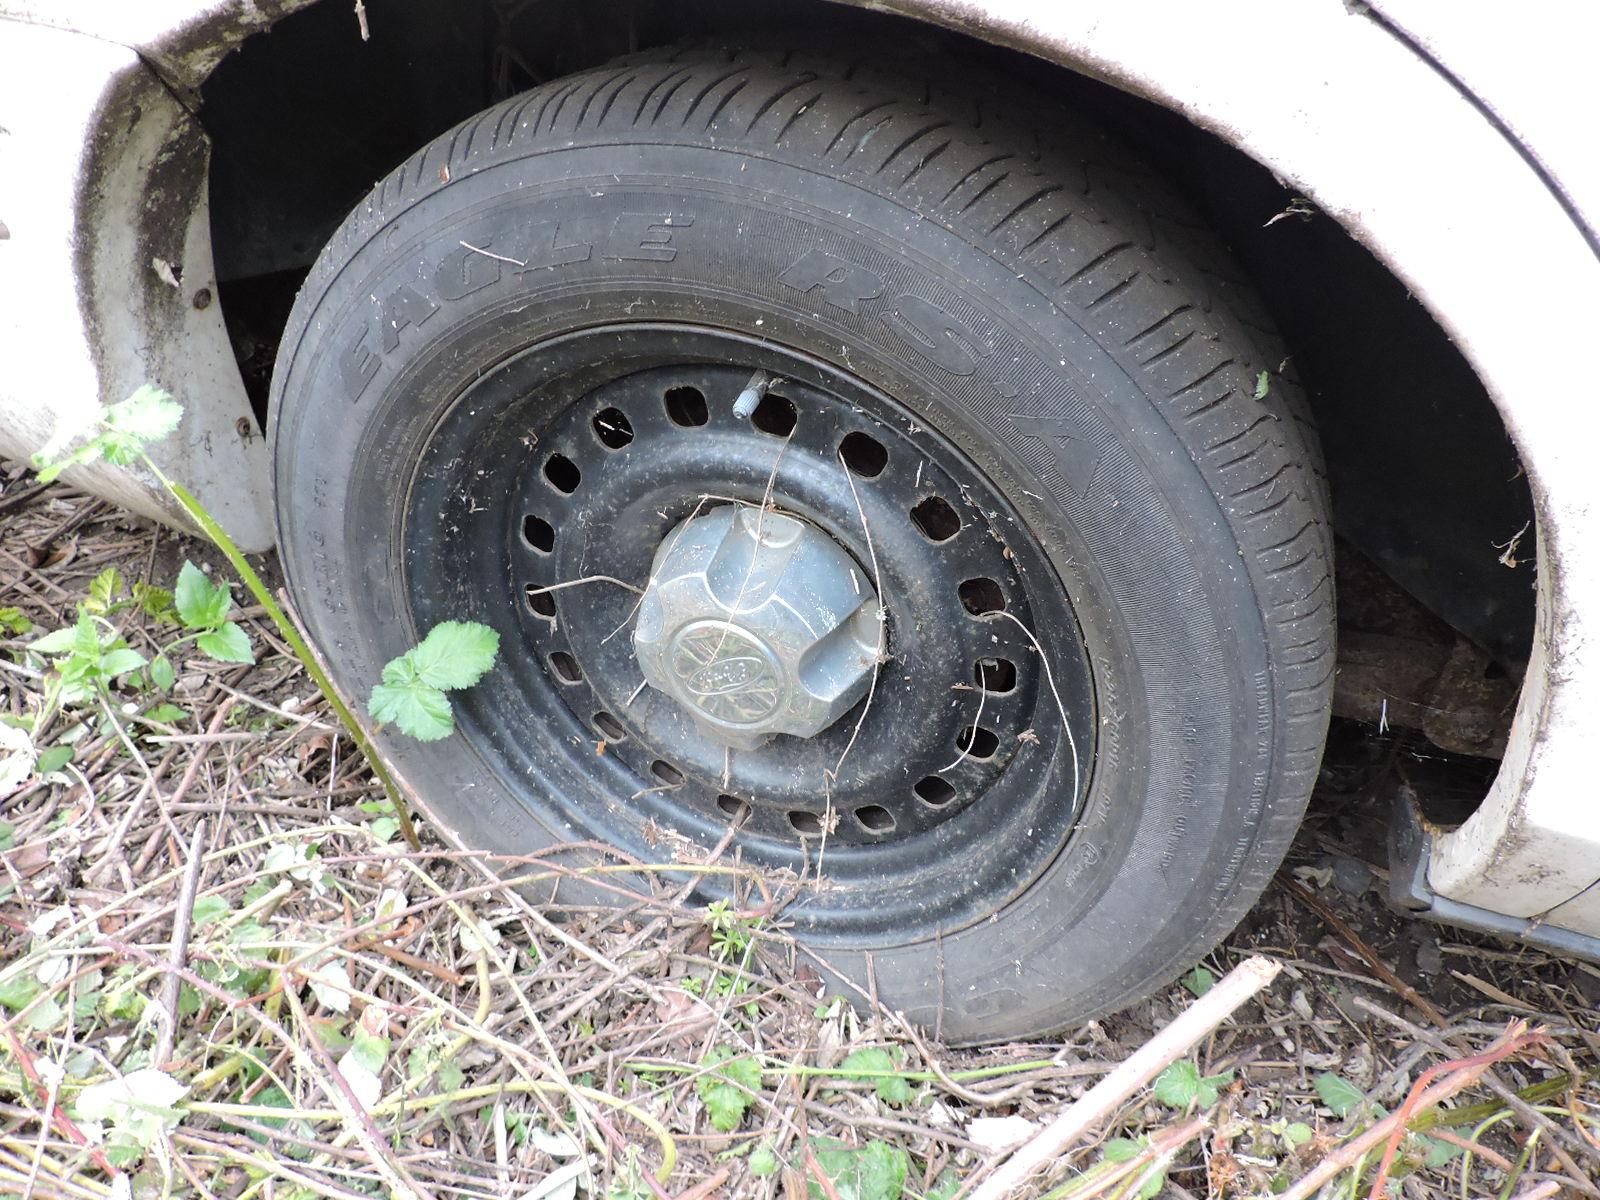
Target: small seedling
(877,1064)
(1340,1095)
(728,1086)
(1293,1134)
(732,934)
(873,1171)
(362,1065)
(131,1111)
(1121,1150)
(1181,1085)
(122,434)
(91,658)
(733,944)
(454,655)
(202,607)
(1199,981)
(764,1161)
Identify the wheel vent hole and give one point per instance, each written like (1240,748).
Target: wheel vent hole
(612,427)
(562,473)
(668,774)
(977,742)
(936,519)
(566,667)
(686,406)
(540,602)
(610,728)
(875,819)
(807,824)
(982,595)
(733,807)
(539,533)
(864,455)
(997,675)
(934,790)
(774,415)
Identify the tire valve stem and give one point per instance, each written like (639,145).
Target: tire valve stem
(752,394)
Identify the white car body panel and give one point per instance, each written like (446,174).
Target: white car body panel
(87,313)
(1488,235)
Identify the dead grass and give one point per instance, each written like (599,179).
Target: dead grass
(355,1019)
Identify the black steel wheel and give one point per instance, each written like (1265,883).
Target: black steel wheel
(846,478)
(543,515)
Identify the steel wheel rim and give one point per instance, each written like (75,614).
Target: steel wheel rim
(982,769)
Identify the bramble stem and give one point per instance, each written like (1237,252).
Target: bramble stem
(291,635)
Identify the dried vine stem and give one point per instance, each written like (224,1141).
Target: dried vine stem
(1464,1074)
(1100,1101)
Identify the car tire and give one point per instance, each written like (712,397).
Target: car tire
(1047,346)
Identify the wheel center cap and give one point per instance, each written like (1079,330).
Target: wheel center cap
(757,623)
(730,675)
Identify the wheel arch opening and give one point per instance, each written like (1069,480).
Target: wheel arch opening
(1434,511)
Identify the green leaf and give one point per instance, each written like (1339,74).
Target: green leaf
(1263,384)
(1121,1150)
(728,1088)
(148,415)
(891,1087)
(1179,1085)
(161,672)
(137,1106)
(419,709)
(86,637)
(1441,1152)
(103,590)
(228,643)
(763,1161)
(16,992)
(369,1050)
(210,908)
(12,620)
(48,471)
(1211,1087)
(155,602)
(120,661)
(450,1076)
(59,642)
(167,714)
(1199,981)
(201,604)
(1297,1133)
(455,654)
(271,1096)
(53,759)
(1341,1096)
(875,1171)
(122,1003)
(384,828)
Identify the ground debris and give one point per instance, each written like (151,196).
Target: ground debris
(356,1019)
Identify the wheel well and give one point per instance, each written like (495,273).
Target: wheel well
(1429,497)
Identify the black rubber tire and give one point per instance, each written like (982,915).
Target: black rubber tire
(1181,504)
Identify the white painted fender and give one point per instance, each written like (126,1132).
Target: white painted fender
(87,313)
